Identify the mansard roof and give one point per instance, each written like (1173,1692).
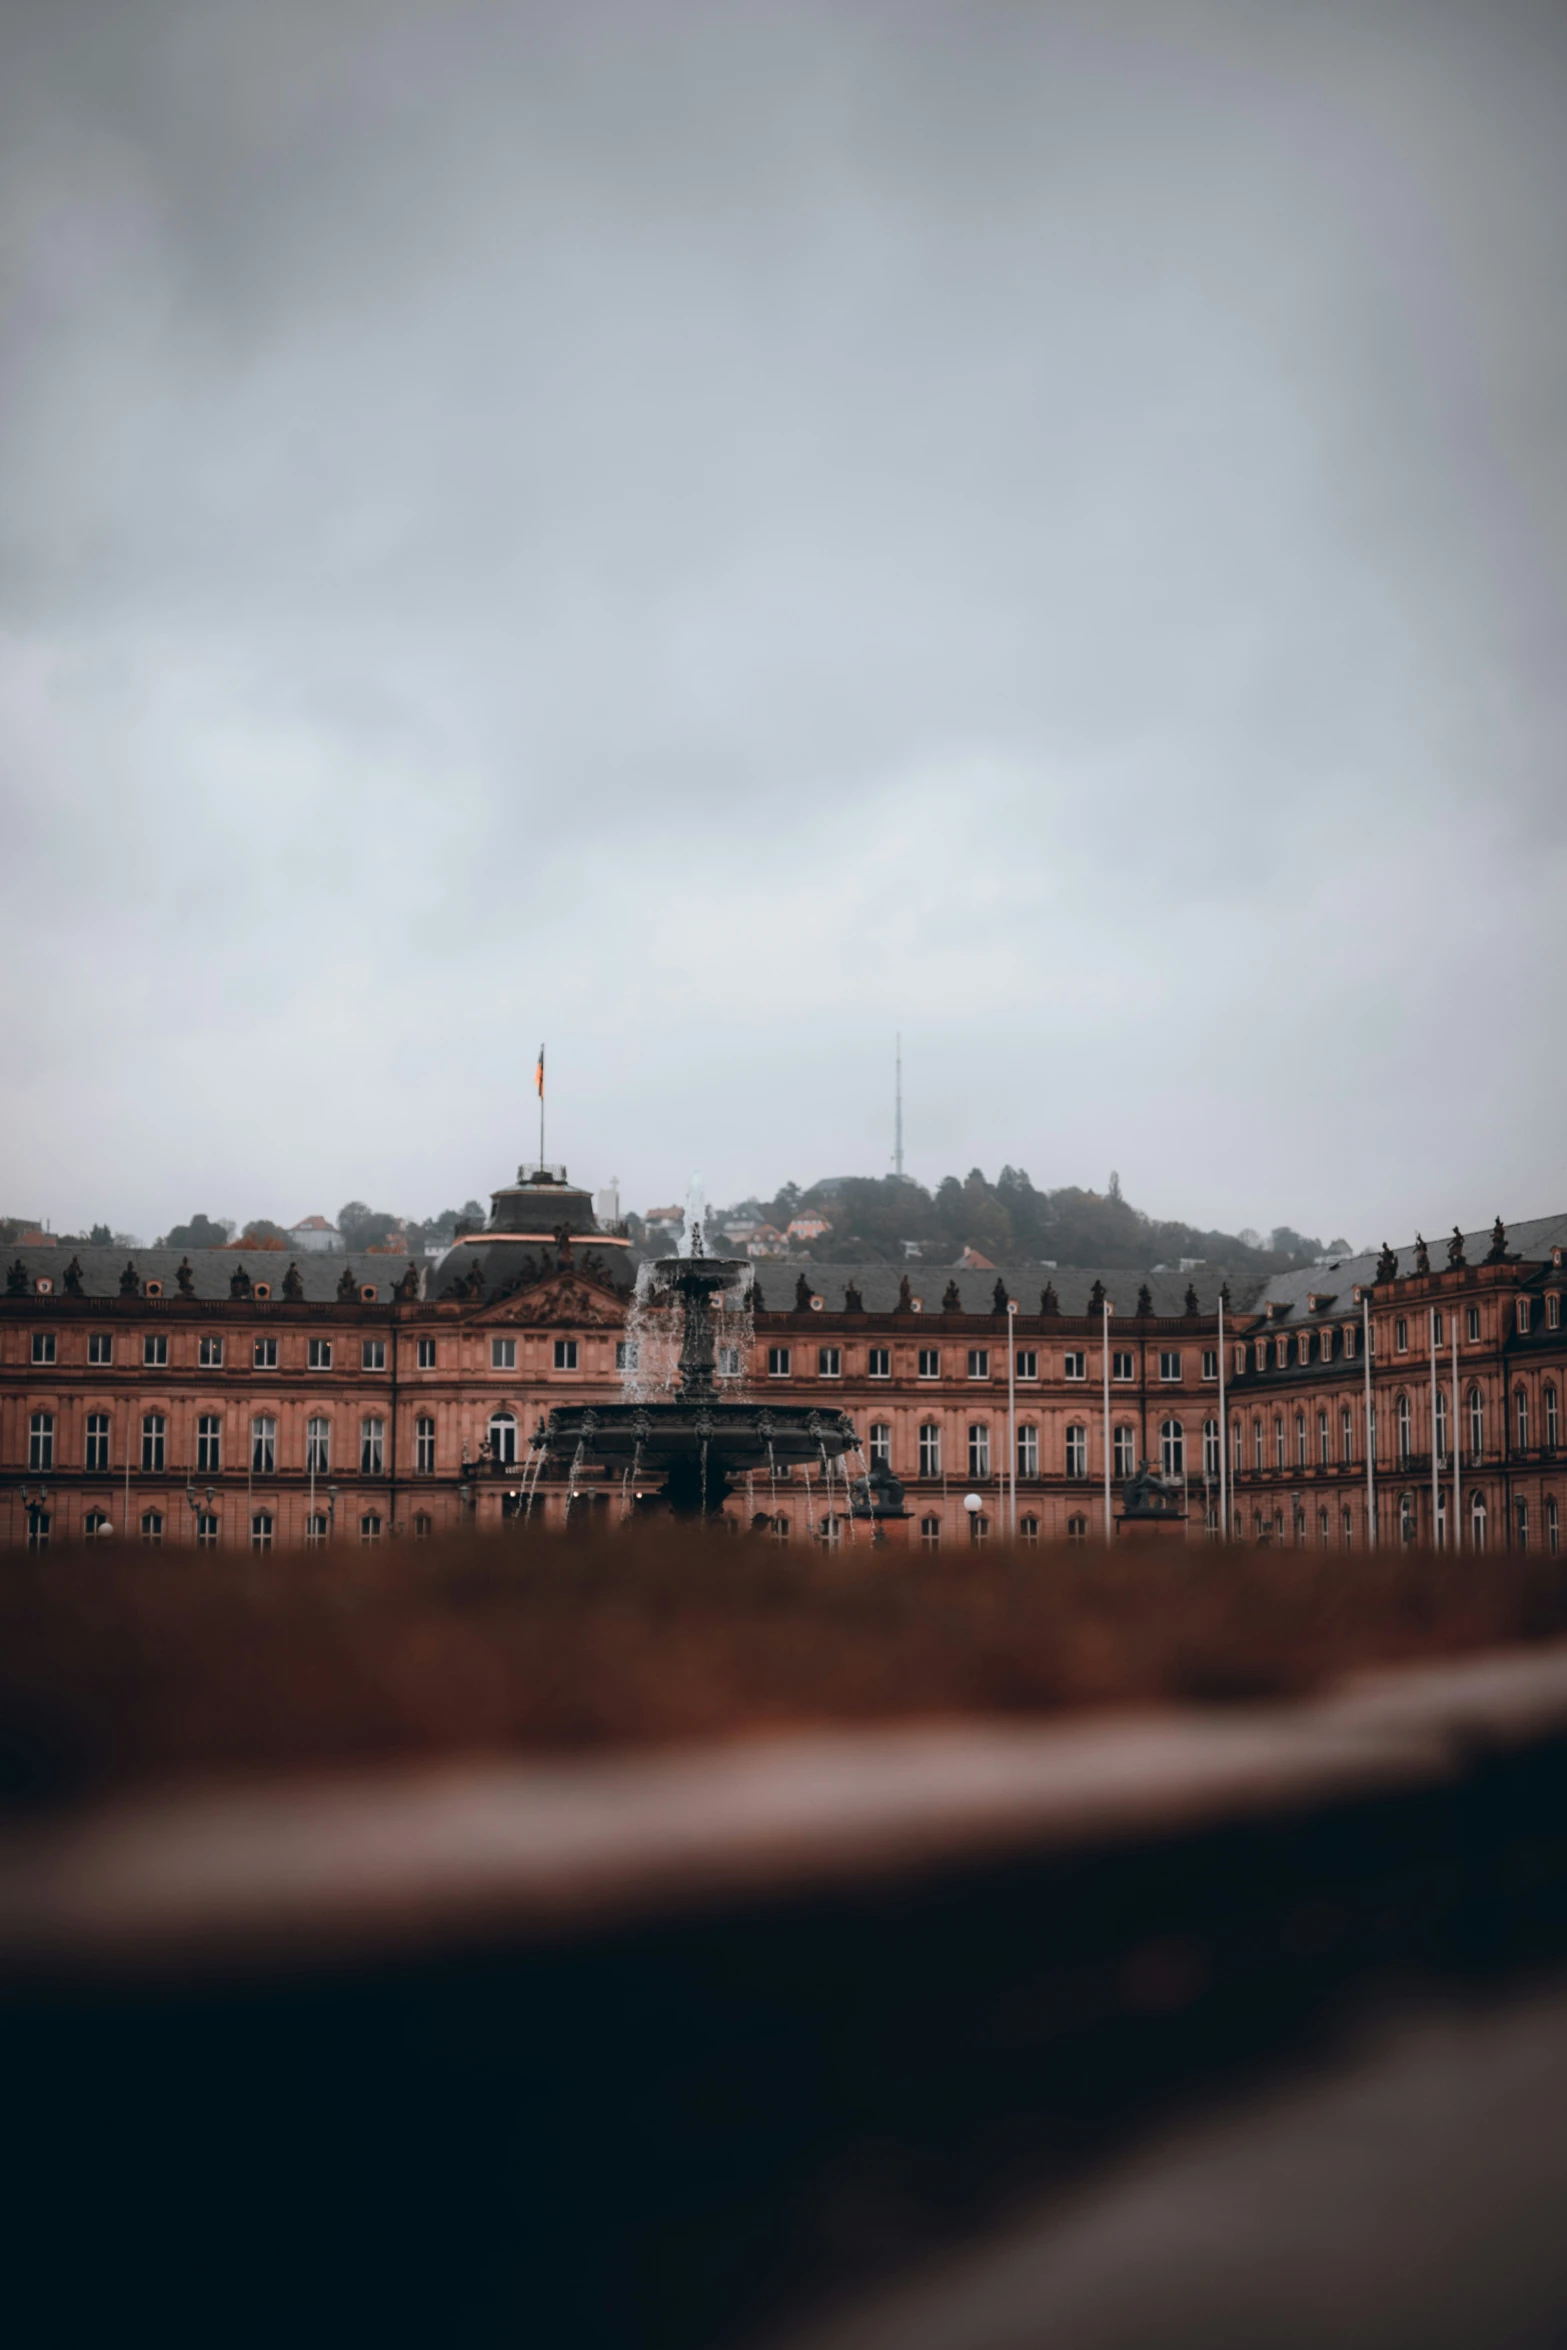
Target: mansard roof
(212,1269)
(878,1286)
(1532,1241)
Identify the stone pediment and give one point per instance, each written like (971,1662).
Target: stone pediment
(558,1296)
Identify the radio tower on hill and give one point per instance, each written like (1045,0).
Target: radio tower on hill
(897,1112)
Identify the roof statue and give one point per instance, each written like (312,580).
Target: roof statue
(999,1300)
(1049,1303)
(347,1289)
(16,1280)
(184,1278)
(240,1283)
(1496,1254)
(73,1278)
(1455,1249)
(408,1287)
(1144,1298)
(1224,1291)
(1096,1296)
(802,1295)
(905,1304)
(1189,1304)
(1422,1255)
(853,1303)
(130,1281)
(293,1284)
(476,1281)
(1387,1264)
(951,1301)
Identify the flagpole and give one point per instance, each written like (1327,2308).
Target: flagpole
(1436,1489)
(1224,1435)
(1458,1444)
(1105,1365)
(1371,1431)
(539,1080)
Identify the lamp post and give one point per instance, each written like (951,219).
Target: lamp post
(973,1503)
(35,1500)
(196,1507)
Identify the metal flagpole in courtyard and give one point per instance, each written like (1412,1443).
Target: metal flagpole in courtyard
(1458,1447)
(1371,1431)
(1436,1474)
(1105,1351)
(1012,1413)
(1224,1435)
(538,1079)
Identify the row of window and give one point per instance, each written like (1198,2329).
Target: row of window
(211,1351)
(1404,1430)
(262,1527)
(1172,1449)
(209,1445)
(878,1363)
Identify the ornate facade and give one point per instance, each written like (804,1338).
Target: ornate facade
(258,1401)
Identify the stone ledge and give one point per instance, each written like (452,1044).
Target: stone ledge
(297,1874)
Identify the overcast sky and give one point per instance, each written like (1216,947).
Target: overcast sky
(714,534)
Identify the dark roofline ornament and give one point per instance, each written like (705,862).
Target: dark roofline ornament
(1096,1297)
(1496,1254)
(347,1286)
(905,1304)
(130,1281)
(998,1297)
(408,1287)
(293,1284)
(73,1278)
(1422,1255)
(853,1303)
(952,1299)
(184,1278)
(1049,1303)
(240,1283)
(1190,1305)
(16,1280)
(802,1295)
(1144,1298)
(1455,1250)
(1387,1264)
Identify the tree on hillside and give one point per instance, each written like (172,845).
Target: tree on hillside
(200,1232)
(261,1232)
(364,1227)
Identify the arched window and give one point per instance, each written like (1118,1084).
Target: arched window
(1298,1515)
(1441,1425)
(1256,1444)
(1028,1529)
(154,1431)
(1521,1521)
(1552,1428)
(978,1526)
(1324,1529)
(1172,1448)
(370,1527)
(1553,1525)
(152,1525)
(1278,1440)
(1403,1427)
(930,1448)
(1406,1517)
(1324,1441)
(315,1528)
(1476,1423)
(424,1447)
(1077,1452)
(881,1444)
(1210,1448)
(1237,1448)
(1347,1530)
(1521,1416)
(263,1446)
(780,1529)
(1477,1521)
(97,1525)
(503,1439)
(421,1525)
(979,1450)
(261,1530)
(1077,1529)
(318,1445)
(1346,1435)
(40,1443)
(1126,1452)
(38,1525)
(930,1533)
(1300,1440)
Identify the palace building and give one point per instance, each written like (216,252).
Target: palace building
(250,1399)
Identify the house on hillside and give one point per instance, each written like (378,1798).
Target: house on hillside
(808,1227)
(314,1232)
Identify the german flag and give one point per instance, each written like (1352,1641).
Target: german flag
(538,1075)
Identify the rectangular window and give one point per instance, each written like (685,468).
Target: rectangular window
(43,1346)
(979,1362)
(1523,1315)
(1123,1365)
(979,1451)
(207,1529)
(1074,1366)
(778,1362)
(427,1354)
(1028,1452)
(930,1362)
(1077,1452)
(930,1448)
(372,1447)
(1349,1339)
(318,1446)
(372,1354)
(829,1363)
(263,1355)
(209,1354)
(315,1529)
(370,1527)
(1125,1452)
(881,1445)
(263,1446)
(1210,1362)
(1325,1346)
(1324,1441)
(627,1356)
(152,1525)
(1304,1345)
(1553,1311)
(1401,1336)
(1170,1364)
(1278,1444)
(1436,1325)
(154,1429)
(1210,1448)
(97,1440)
(261,1530)
(729,1362)
(1027,1363)
(878,1363)
(503,1354)
(565,1354)
(209,1444)
(100,1346)
(1472,1324)
(320,1354)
